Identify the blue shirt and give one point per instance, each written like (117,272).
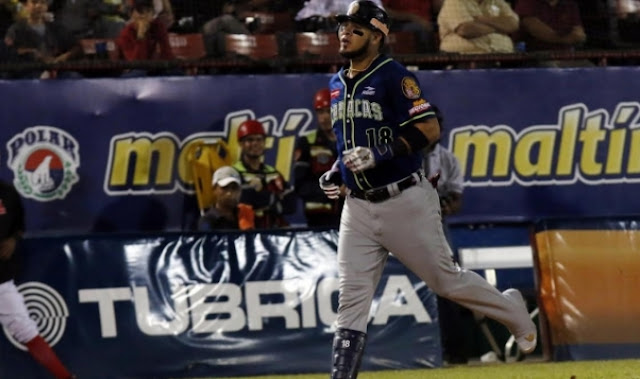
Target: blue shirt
(372,109)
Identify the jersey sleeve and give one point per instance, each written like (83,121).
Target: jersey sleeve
(409,101)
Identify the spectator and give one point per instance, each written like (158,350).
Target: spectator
(227,212)
(77,16)
(14,316)
(443,169)
(112,18)
(414,16)
(36,38)
(319,15)
(227,22)
(476,26)
(314,155)
(628,21)
(235,17)
(144,38)
(8,11)
(550,24)
(262,185)
(163,11)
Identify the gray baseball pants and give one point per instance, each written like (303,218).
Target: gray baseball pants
(409,225)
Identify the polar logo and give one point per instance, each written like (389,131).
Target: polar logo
(47,308)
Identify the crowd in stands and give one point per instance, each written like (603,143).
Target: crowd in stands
(255,31)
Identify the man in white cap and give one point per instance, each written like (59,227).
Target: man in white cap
(227,212)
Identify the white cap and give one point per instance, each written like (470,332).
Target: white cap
(225,175)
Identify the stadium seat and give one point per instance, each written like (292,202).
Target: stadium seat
(187,46)
(89,46)
(270,22)
(258,46)
(319,44)
(400,43)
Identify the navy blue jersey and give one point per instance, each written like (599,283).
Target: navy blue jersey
(372,109)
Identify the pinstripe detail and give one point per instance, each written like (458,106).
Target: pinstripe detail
(418,117)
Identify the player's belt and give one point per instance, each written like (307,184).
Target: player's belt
(380,194)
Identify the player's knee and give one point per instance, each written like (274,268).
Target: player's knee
(23,329)
(444,284)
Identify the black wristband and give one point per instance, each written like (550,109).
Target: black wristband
(414,137)
(399,147)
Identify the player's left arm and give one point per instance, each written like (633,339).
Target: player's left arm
(419,130)
(414,137)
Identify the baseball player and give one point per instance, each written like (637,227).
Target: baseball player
(314,155)
(13,311)
(382,122)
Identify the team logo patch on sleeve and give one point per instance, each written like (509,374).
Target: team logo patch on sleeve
(419,109)
(410,88)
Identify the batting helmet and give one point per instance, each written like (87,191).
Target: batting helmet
(322,99)
(250,127)
(366,13)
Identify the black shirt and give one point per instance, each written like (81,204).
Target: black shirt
(212,220)
(11,225)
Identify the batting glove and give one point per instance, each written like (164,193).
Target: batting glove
(330,182)
(362,158)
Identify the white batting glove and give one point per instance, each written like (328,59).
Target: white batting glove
(358,159)
(328,182)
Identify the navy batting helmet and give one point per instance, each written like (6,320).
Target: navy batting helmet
(366,13)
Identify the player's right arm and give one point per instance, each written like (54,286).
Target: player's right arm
(429,129)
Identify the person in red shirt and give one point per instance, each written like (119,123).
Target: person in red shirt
(550,24)
(144,37)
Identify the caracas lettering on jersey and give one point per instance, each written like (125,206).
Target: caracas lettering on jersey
(358,108)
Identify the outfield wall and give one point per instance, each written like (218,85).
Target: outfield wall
(533,143)
(588,273)
(187,305)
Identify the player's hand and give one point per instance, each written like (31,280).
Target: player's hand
(358,159)
(330,182)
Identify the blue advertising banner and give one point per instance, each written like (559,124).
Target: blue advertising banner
(214,305)
(110,154)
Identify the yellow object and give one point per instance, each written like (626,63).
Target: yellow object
(204,158)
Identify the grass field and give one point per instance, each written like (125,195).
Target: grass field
(517,370)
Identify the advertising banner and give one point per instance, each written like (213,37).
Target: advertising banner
(587,271)
(111,154)
(208,305)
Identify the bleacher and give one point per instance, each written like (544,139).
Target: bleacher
(275,45)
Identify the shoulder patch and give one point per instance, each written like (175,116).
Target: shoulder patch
(410,88)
